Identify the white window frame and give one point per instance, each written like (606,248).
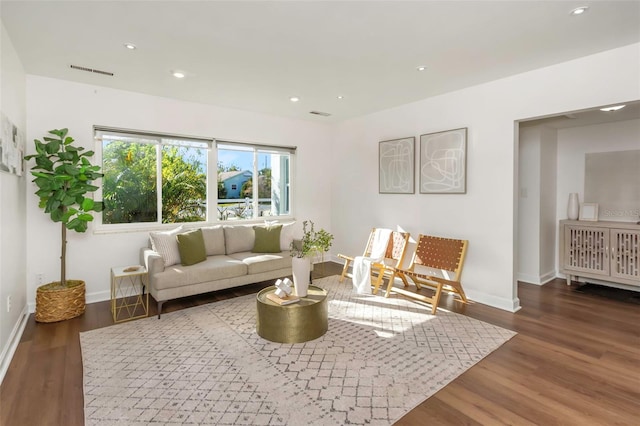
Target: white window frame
(212,180)
(256,149)
(159,140)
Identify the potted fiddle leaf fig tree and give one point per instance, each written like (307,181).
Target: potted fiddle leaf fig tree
(63,175)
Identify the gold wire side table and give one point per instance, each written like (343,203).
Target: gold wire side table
(129,298)
(295,323)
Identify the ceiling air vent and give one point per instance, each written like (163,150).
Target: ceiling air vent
(76,67)
(324,114)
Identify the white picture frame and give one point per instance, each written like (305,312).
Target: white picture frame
(589,212)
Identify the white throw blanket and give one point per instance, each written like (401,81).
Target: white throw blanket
(361,276)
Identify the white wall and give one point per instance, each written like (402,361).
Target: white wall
(529,204)
(486,215)
(548,223)
(537,205)
(575,142)
(12,209)
(53,103)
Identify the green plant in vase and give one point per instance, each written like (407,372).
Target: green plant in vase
(312,242)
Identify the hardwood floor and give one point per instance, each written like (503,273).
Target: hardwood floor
(575,361)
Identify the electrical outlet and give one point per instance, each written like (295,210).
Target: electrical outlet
(39,279)
(9,303)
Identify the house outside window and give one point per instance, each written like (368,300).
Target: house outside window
(239,165)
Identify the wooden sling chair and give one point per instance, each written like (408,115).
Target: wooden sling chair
(437,263)
(396,248)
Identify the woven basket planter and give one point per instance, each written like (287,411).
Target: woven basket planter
(59,304)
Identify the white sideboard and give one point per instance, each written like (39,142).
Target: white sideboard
(608,251)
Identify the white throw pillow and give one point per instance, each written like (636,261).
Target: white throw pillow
(239,238)
(286,236)
(213,240)
(166,244)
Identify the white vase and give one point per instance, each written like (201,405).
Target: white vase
(301,268)
(573,208)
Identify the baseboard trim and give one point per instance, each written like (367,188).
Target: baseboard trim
(99,296)
(14,339)
(512,305)
(549,276)
(537,279)
(529,279)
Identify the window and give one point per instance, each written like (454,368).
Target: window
(154,179)
(239,166)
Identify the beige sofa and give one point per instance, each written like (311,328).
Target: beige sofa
(230,261)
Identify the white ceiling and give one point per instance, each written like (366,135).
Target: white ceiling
(255,55)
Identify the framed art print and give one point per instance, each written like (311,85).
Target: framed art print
(443,162)
(396,166)
(12,147)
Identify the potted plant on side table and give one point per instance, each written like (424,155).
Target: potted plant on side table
(63,175)
(312,242)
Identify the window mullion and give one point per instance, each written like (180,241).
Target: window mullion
(256,185)
(159,181)
(212,185)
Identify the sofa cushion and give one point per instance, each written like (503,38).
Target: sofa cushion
(191,247)
(267,239)
(238,238)
(258,263)
(213,240)
(165,243)
(286,236)
(213,268)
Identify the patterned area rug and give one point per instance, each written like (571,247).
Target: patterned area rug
(206,365)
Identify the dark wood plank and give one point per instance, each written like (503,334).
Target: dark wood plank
(576,360)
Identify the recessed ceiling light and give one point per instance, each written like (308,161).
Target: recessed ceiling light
(294,99)
(421,68)
(579,10)
(339,97)
(130,46)
(612,108)
(178,74)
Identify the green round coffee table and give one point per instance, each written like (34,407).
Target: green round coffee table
(295,323)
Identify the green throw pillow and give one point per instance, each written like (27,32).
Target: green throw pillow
(191,247)
(267,239)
